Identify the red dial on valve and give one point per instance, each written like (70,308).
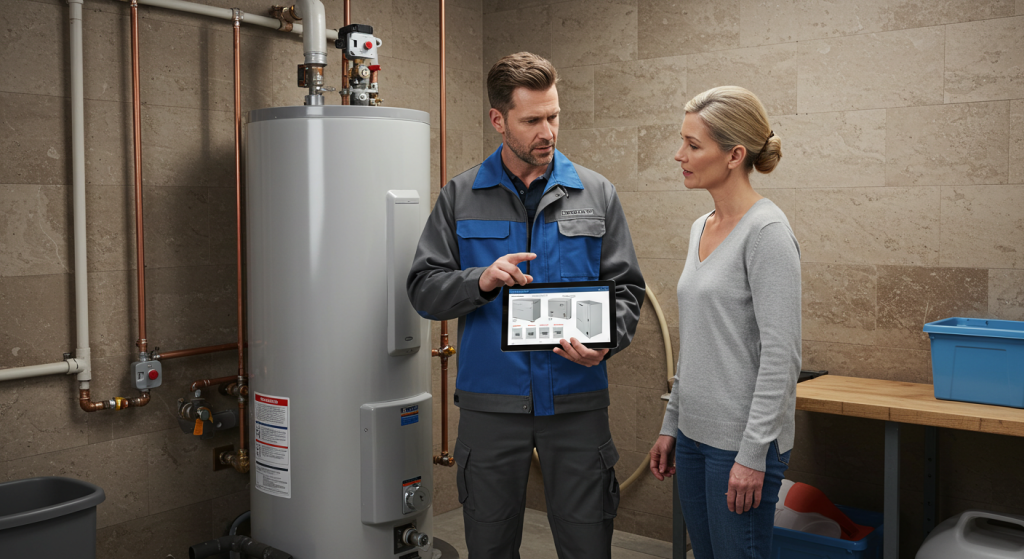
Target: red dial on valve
(375,67)
(368,45)
(153,374)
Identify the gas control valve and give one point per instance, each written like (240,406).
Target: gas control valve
(147,373)
(359,46)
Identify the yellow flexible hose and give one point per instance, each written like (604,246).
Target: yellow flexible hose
(670,374)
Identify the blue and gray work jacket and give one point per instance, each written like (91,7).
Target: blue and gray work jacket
(579,234)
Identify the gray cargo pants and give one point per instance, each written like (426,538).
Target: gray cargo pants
(577,457)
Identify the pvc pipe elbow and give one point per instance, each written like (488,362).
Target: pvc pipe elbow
(314,31)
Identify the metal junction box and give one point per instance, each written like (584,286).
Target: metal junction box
(588,318)
(560,308)
(526,309)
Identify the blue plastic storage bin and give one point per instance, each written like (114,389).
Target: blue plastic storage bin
(978,360)
(791,544)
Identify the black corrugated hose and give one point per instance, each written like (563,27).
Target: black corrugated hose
(242,544)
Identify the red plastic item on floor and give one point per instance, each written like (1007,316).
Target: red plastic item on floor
(811,501)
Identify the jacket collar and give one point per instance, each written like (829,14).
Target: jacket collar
(492,173)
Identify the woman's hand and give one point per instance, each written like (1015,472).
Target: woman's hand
(663,461)
(744,488)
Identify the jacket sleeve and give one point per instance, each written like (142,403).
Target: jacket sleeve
(619,263)
(438,288)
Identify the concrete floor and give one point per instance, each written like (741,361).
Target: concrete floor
(538,543)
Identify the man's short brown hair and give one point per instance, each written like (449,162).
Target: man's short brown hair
(522,69)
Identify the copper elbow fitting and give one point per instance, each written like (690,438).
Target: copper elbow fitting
(239,460)
(444,459)
(446,351)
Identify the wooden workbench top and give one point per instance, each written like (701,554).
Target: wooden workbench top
(904,402)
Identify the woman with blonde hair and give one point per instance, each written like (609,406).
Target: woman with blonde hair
(729,426)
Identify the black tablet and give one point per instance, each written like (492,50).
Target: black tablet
(537,316)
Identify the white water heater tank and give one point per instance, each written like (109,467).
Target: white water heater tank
(340,405)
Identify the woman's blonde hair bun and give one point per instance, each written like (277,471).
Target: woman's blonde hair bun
(736,117)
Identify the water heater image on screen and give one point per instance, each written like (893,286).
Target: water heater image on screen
(526,309)
(560,307)
(588,318)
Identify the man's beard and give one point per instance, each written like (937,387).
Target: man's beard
(526,154)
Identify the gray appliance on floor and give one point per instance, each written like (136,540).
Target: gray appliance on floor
(588,318)
(47,517)
(526,309)
(560,307)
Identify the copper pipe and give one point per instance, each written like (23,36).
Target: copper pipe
(233,389)
(445,351)
(200,384)
(137,136)
(348,12)
(164,355)
(116,403)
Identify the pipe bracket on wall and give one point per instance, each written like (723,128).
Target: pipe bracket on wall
(403,232)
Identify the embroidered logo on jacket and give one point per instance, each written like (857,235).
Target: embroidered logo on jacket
(585,211)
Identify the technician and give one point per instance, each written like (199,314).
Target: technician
(526,214)
(730,418)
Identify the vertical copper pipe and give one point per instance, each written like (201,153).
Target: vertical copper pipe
(242,465)
(344,61)
(348,12)
(137,136)
(445,351)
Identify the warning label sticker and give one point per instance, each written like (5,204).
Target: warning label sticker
(273,440)
(410,415)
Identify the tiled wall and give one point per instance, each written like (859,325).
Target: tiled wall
(161,491)
(902,127)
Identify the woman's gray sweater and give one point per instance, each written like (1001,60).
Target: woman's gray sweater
(739,338)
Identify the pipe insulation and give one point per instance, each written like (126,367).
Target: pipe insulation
(253,19)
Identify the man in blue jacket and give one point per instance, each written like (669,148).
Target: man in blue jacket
(527,214)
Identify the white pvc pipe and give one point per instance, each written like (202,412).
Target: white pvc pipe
(313,43)
(65,367)
(225,13)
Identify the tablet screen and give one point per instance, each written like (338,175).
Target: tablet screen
(537,316)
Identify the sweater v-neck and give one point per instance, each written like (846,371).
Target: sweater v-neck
(727,237)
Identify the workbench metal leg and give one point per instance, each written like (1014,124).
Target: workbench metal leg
(931,445)
(678,523)
(891,549)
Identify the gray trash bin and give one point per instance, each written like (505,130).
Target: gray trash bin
(48,518)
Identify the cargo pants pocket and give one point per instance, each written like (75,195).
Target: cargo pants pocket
(462,453)
(610,457)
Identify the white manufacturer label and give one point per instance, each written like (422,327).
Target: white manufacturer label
(273,441)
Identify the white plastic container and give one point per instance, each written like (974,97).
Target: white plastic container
(976,534)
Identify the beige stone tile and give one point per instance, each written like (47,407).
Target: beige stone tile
(1016,171)
(645,547)
(465,99)
(491,141)
(989,483)
(982,226)
(905,365)
(1020,7)
(38,319)
(815,355)
(112,313)
(191,306)
(593,33)
(650,414)
(222,208)
(647,525)
(110,228)
(856,456)
(167,533)
(256,72)
(180,471)
(671,27)
(662,276)
(622,416)
(512,31)
(839,303)
(109,150)
(947,144)
(575,98)
(985,60)
(657,169)
(829,150)
(446,492)
(224,510)
(1006,294)
(643,363)
(186,66)
(911,296)
(609,151)
(464,44)
(770,72)
(124,480)
(660,221)
(647,494)
(869,225)
(187,147)
(32,38)
(906,14)
(403,83)
(43,415)
(492,6)
(35,144)
(651,91)
(171,240)
(34,223)
(860,72)
(286,55)
(375,13)
(415,26)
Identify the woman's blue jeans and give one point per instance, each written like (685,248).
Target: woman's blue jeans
(716,533)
